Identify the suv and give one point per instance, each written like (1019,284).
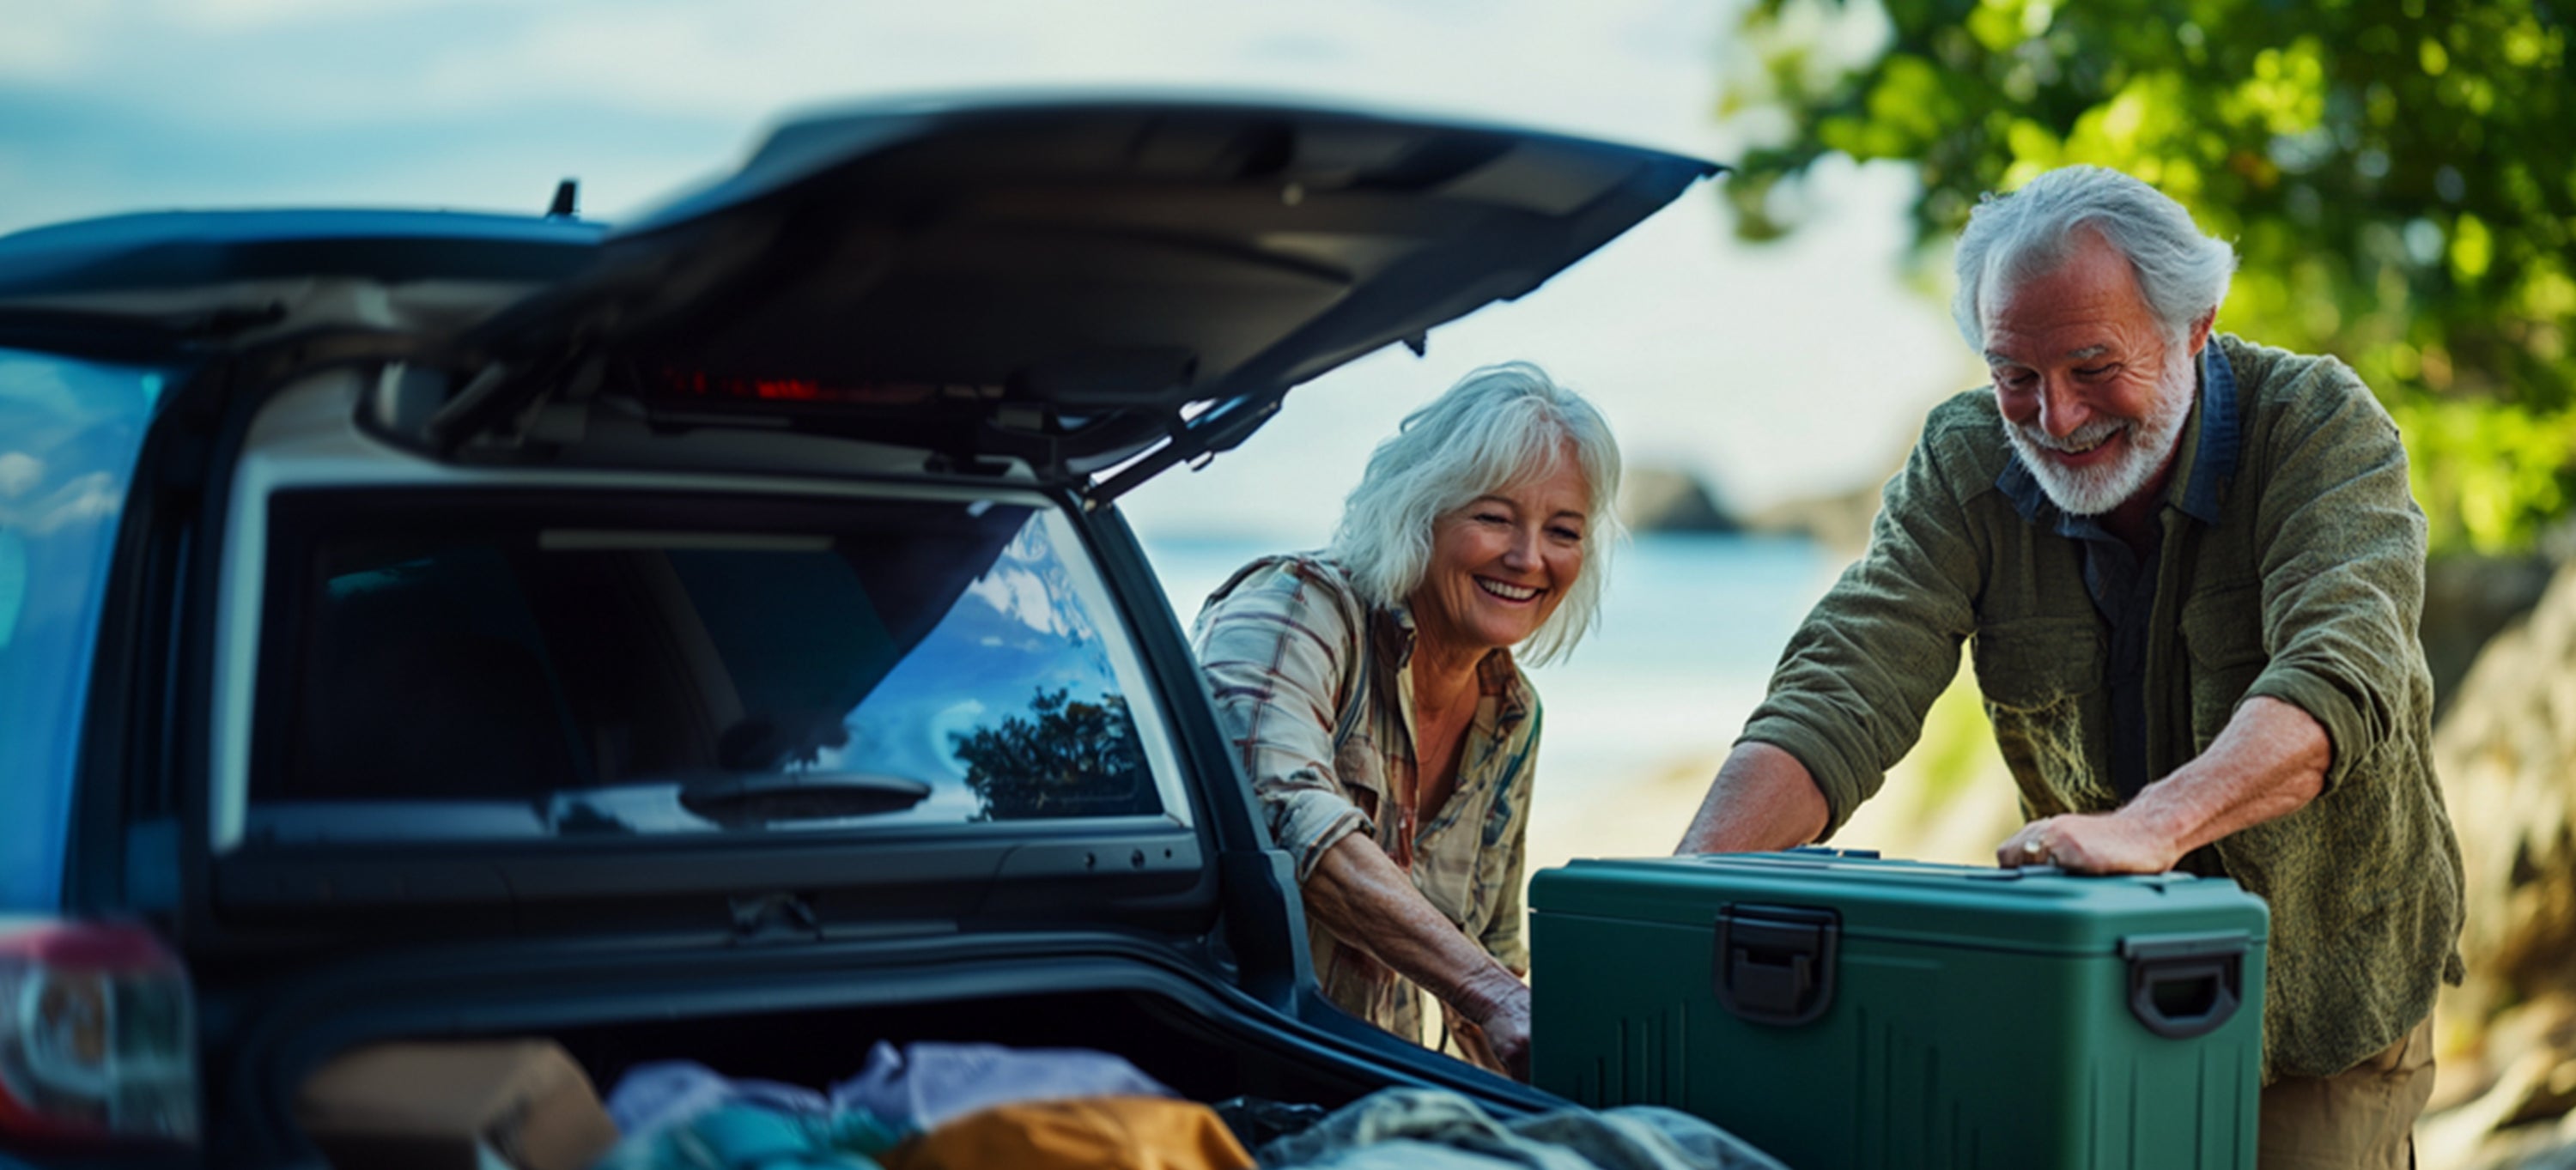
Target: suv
(711,638)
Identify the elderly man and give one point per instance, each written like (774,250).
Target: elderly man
(2191,571)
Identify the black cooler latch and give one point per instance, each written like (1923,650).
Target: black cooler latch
(1775,964)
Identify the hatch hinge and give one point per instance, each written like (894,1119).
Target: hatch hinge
(1193,441)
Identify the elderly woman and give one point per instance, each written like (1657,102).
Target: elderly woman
(1390,735)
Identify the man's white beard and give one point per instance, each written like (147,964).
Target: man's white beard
(2092,491)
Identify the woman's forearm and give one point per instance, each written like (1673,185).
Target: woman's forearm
(1357,893)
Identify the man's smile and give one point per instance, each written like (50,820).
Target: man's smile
(2094,453)
(2086,440)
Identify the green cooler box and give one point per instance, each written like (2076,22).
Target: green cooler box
(1840,1011)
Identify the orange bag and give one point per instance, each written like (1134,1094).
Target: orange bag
(1108,1133)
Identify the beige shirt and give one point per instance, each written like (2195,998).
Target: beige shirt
(1288,648)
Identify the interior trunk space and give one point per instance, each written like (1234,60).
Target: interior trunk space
(1193,1055)
(1206,1043)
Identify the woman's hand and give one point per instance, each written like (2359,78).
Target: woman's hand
(1360,895)
(1498,1035)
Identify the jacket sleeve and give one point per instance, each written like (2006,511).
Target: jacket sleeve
(2342,568)
(1849,695)
(1277,650)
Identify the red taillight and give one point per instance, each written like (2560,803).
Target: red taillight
(97,1035)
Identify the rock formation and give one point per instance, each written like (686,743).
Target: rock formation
(2506,753)
(1655,498)
(1838,522)
(2468,600)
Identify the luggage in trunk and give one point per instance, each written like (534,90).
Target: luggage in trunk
(1842,1011)
(798,1015)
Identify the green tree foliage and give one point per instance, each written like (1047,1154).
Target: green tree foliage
(1064,758)
(2399,177)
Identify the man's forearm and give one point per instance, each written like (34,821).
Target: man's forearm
(1762,798)
(2269,761)
(1357,893)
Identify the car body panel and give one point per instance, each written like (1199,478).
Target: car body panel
(175,250)
(1055,282)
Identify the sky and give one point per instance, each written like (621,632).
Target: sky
(1773,372)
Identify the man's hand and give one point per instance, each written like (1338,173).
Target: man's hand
(2096,843)
(2269,761)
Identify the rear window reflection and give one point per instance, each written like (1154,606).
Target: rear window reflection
(486,672)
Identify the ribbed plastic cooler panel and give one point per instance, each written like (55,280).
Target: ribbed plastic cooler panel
(1850,1012)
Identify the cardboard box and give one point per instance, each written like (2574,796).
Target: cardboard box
(438,1106)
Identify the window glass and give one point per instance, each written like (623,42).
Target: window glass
(69,434)
(479,668)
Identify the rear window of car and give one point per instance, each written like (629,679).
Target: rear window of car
(478,666)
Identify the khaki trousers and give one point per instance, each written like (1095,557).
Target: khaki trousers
(2362,1118)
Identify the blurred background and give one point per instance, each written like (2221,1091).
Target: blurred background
(2398,176)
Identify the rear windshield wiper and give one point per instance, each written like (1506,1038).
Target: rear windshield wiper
(750,800)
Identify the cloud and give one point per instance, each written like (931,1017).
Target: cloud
(40,388)
(1021,596)
(938,734)
(241,15)
(19,473)
(50,42)
(349,61)
(456,103)
(86,499)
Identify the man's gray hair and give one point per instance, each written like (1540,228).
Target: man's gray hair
(1499,425)
(2011,238)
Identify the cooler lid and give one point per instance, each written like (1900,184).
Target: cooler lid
(2036,910)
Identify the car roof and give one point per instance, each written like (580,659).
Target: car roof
(170,249)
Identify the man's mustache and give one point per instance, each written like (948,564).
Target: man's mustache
(2085,438)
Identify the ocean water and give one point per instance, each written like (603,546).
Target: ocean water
(1691,626)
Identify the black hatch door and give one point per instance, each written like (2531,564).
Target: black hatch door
(1072,284)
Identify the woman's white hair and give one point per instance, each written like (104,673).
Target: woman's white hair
(1500,425)
(2010,238)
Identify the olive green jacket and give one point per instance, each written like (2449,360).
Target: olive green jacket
(2292,567)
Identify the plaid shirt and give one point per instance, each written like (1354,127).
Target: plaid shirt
(1282,646)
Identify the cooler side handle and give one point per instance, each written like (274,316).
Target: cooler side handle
(2185,985)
